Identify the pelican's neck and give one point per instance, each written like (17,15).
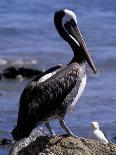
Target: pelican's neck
(79,56)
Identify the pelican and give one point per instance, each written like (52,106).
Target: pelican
(56,91)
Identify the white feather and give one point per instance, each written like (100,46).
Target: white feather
(47,76)
(68,16)
(81,89)
(74,39)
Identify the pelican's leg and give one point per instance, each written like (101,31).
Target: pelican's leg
(50,129)
(67,130)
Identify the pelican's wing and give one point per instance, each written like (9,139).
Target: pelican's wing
(47,96)
(54,69)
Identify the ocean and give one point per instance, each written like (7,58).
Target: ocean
(28,37)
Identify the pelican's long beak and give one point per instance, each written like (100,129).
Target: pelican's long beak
(76,35)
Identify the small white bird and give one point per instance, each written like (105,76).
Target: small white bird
(96,133)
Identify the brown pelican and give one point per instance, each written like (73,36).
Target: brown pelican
(56,91)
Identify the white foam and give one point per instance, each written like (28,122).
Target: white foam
(19,145)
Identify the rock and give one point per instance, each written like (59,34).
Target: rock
(5,141)
(0,76)
(63,145)
(14,71)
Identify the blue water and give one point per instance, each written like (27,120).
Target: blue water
(28,37)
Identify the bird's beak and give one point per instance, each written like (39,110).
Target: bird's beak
(76,34)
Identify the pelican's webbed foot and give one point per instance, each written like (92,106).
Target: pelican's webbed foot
(67,130)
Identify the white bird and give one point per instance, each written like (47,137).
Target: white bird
(97,134)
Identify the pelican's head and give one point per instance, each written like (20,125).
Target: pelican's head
(95,125)
(66,24)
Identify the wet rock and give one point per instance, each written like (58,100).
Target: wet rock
(0,76)
(5,141)
(61,145)
(14,71)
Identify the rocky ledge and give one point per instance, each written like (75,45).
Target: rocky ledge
(63,145)
(19,72)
